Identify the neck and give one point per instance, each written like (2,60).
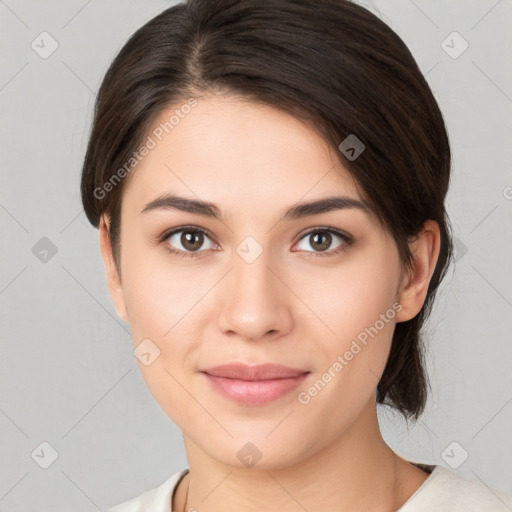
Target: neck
(358,471)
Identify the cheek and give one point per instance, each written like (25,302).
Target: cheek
(356,302)
(350,299)
(157,293)
(161,310)
(357,305)
(160,299)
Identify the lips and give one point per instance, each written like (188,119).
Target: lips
(254,385)
(252,373)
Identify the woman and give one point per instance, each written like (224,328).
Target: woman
(268,179)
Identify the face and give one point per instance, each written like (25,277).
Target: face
(316,293)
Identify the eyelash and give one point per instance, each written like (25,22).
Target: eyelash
(192,229)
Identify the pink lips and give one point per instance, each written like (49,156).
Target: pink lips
(254,385)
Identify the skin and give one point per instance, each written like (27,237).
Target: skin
(290,306)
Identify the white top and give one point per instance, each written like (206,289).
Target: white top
(443,491)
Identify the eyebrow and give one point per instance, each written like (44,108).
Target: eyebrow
(297,211)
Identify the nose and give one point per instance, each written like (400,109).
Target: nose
(254,302)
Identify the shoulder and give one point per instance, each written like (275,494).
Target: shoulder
(446,491)
(157,499)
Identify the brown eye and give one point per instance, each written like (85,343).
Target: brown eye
(321,240)
(191,241)
(187,240)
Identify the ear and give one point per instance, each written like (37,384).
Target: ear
(115,287)
(425,252)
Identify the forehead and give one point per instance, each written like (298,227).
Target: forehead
(239,153)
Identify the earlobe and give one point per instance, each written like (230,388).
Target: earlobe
(425,252)
(115,287)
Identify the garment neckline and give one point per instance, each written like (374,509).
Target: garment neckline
(428,468)
(433,471)
(183,473)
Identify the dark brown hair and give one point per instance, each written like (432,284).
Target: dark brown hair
(331,63)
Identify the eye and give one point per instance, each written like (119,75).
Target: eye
(321,239)
(186,241)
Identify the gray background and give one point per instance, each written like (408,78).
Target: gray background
(68,374)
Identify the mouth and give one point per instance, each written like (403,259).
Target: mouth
(254,385)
